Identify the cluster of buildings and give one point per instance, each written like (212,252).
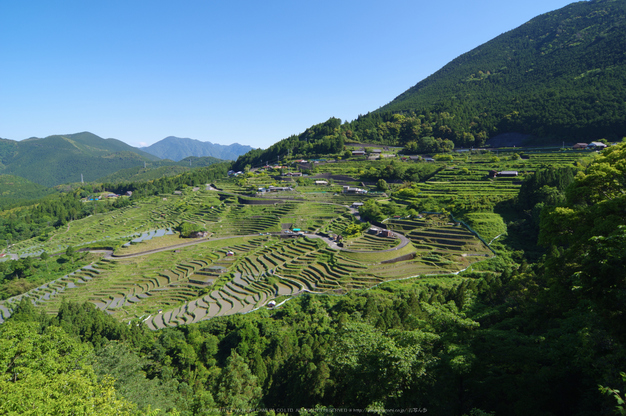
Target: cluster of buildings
(353,190)
(109,195)
(592,145)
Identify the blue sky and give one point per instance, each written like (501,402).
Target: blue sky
(251,72)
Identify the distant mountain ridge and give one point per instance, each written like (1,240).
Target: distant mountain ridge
(177,148)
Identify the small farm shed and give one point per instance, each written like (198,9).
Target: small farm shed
(508,173)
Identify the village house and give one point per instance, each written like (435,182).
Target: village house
(321,182)
(358,153)
(280,188)
(351,190)
(596,145)
(504,173)
(580,146)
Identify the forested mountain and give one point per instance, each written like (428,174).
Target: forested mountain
(63,158)
(559,77)
(176,148)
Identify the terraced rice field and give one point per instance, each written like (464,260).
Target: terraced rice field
(372,243)
(158,213)
(432,234)
(198,282)
(469,180)
(188,284)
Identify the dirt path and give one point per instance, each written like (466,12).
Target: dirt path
(109,253)
(158,250)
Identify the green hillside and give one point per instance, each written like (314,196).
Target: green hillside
(559,75)
(60,159)
(15,190)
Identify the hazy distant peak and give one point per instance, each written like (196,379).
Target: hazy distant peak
(177,148)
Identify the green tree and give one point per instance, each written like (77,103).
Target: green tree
(47,374)
(237,388)
(70,253)
(117,361)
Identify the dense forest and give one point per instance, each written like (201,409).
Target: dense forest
(515,338)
